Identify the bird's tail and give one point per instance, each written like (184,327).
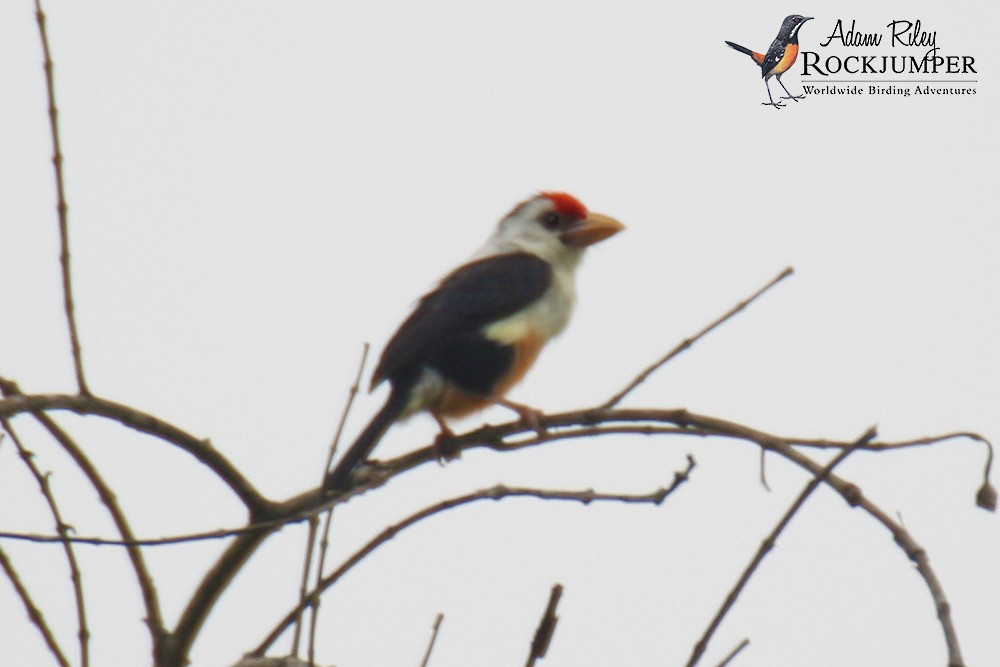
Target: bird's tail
(757,57)
(364,444)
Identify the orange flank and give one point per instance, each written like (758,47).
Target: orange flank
(791,53)
(525,352)
(455,403)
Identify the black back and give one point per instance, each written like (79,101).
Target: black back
(788,34)
(443,331)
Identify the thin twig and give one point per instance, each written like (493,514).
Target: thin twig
(352,394)
(304,581)
(63,529)
(218,578)
(430,644)
(986,496)
(218,534)
(328,518)
(732,654)
(768,544)
(34,614)
(546,628)
(154,619)
(688,342)
(499,492)
(61,208)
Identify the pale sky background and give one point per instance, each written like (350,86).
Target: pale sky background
(256,188)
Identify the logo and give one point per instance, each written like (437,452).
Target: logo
(901,59)
(779,58)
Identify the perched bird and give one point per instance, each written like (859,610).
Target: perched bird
(477,333)
(780,56)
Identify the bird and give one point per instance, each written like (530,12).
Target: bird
(780,56)
(476,334)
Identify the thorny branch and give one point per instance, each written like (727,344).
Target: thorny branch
(61,208)
(145,581)
(63,529)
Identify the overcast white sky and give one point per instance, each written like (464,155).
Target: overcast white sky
(256,188)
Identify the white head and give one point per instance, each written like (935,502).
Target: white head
(552,225)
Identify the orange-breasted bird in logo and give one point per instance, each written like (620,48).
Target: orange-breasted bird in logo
(779,57)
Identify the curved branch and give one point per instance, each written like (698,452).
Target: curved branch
(154,619)
(768,544)
(498,492)
(63,529)
(504,437)
(496,437)
(175,653)
(16,403)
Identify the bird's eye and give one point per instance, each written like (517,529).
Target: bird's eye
(551,220)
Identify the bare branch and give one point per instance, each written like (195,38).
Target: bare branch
(17,403)
(499,492)
(546,628)
(499,438)
(61,208)
(986,497)
(215,581)
(505,437)
(596,422)
(328,518)
(768,544)
(63,529)
(430,644)
(352,393)
(304,581)
(688,342)
(154,618)
(34,614)
(735,652)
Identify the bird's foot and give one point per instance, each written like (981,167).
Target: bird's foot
(793,97)
(776,105)
(442,448)
(530,417)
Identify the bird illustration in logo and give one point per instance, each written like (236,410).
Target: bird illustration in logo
(780,56)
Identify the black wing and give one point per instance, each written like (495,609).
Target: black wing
(774,55)
(476,294)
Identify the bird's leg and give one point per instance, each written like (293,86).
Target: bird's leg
(530,417)
(790,96)
(442,453)
(776,105)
